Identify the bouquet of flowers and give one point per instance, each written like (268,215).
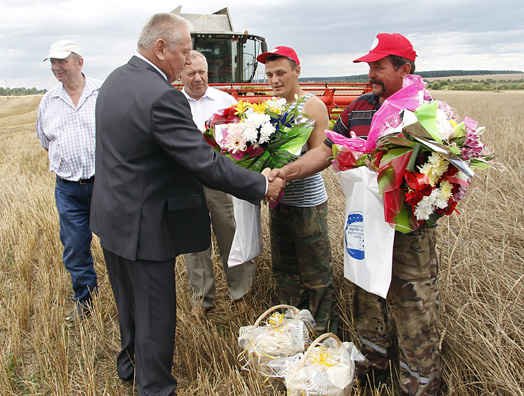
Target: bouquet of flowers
(424,154)
(259,135)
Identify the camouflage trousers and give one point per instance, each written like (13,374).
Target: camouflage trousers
(411,312)
(302,262)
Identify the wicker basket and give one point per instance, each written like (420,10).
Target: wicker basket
(267,348)
(323,371)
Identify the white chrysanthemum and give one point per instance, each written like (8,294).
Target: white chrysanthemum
(248,111)
(249,133)
(425,207)
(253,124)
(265,132)
(264,119)
(256,120)
(437,199)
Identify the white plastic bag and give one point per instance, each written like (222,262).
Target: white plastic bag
(247,242)
(368,238)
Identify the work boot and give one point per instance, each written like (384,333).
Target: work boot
(81,311)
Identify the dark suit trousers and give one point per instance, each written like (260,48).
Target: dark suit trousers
(145,297)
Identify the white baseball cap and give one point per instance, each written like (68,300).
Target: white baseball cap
(62,49)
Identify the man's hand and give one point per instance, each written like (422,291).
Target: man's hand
(275,173)
(275,185)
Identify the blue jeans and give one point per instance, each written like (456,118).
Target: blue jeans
(73,201)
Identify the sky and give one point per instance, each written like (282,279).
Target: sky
(327,35)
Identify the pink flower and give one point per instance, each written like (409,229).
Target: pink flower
(234,142)
(472,147)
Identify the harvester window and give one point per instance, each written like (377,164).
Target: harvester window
(218,55)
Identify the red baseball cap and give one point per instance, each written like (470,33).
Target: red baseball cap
(286,52)
(389,44)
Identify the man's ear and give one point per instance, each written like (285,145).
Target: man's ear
(405,69)
(159,49)
(298,70)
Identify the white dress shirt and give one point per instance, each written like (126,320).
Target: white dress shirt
(212,101)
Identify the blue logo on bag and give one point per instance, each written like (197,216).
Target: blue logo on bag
(354,235)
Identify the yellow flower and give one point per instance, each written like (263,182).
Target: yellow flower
(275,109)
(276,319)
(324,356)
(241,107)
(259,107)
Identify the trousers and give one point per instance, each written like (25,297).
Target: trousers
(145,297)
(302,262)
(73,202)
(410,313)
(200,266)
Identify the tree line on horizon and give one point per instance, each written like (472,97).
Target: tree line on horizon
(362,78)
(424,74)
(21,91)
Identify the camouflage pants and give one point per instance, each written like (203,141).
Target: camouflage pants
(302,262)
(411,311)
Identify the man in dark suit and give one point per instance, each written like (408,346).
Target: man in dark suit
(148,201)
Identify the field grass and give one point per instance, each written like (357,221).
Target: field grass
(480,77)
(481,279)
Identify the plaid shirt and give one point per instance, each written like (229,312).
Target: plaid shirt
(357,116)
(68,131)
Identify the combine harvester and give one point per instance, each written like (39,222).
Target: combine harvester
(233,66)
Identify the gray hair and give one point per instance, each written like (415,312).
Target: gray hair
(195,54)
(164,26)
(76,57)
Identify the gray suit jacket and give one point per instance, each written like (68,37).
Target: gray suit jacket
(148,201)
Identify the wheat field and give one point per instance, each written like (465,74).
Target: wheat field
(481,278)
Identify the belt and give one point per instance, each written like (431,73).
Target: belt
(81,181)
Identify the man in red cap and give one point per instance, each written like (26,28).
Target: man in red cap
(300,246)
(410,311)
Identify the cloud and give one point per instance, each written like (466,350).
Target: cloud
(499,50)
(470,34)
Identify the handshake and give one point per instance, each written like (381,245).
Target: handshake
(276,182)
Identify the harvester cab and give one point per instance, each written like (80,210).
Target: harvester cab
(232,63)
(231,56)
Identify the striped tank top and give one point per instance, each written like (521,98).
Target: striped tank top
(306,192)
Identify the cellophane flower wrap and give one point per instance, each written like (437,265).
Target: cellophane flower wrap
(259,135)
(267,348)
(425,155)
(327,369)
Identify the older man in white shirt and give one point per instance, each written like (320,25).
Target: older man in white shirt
(205,101)
(66,128)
